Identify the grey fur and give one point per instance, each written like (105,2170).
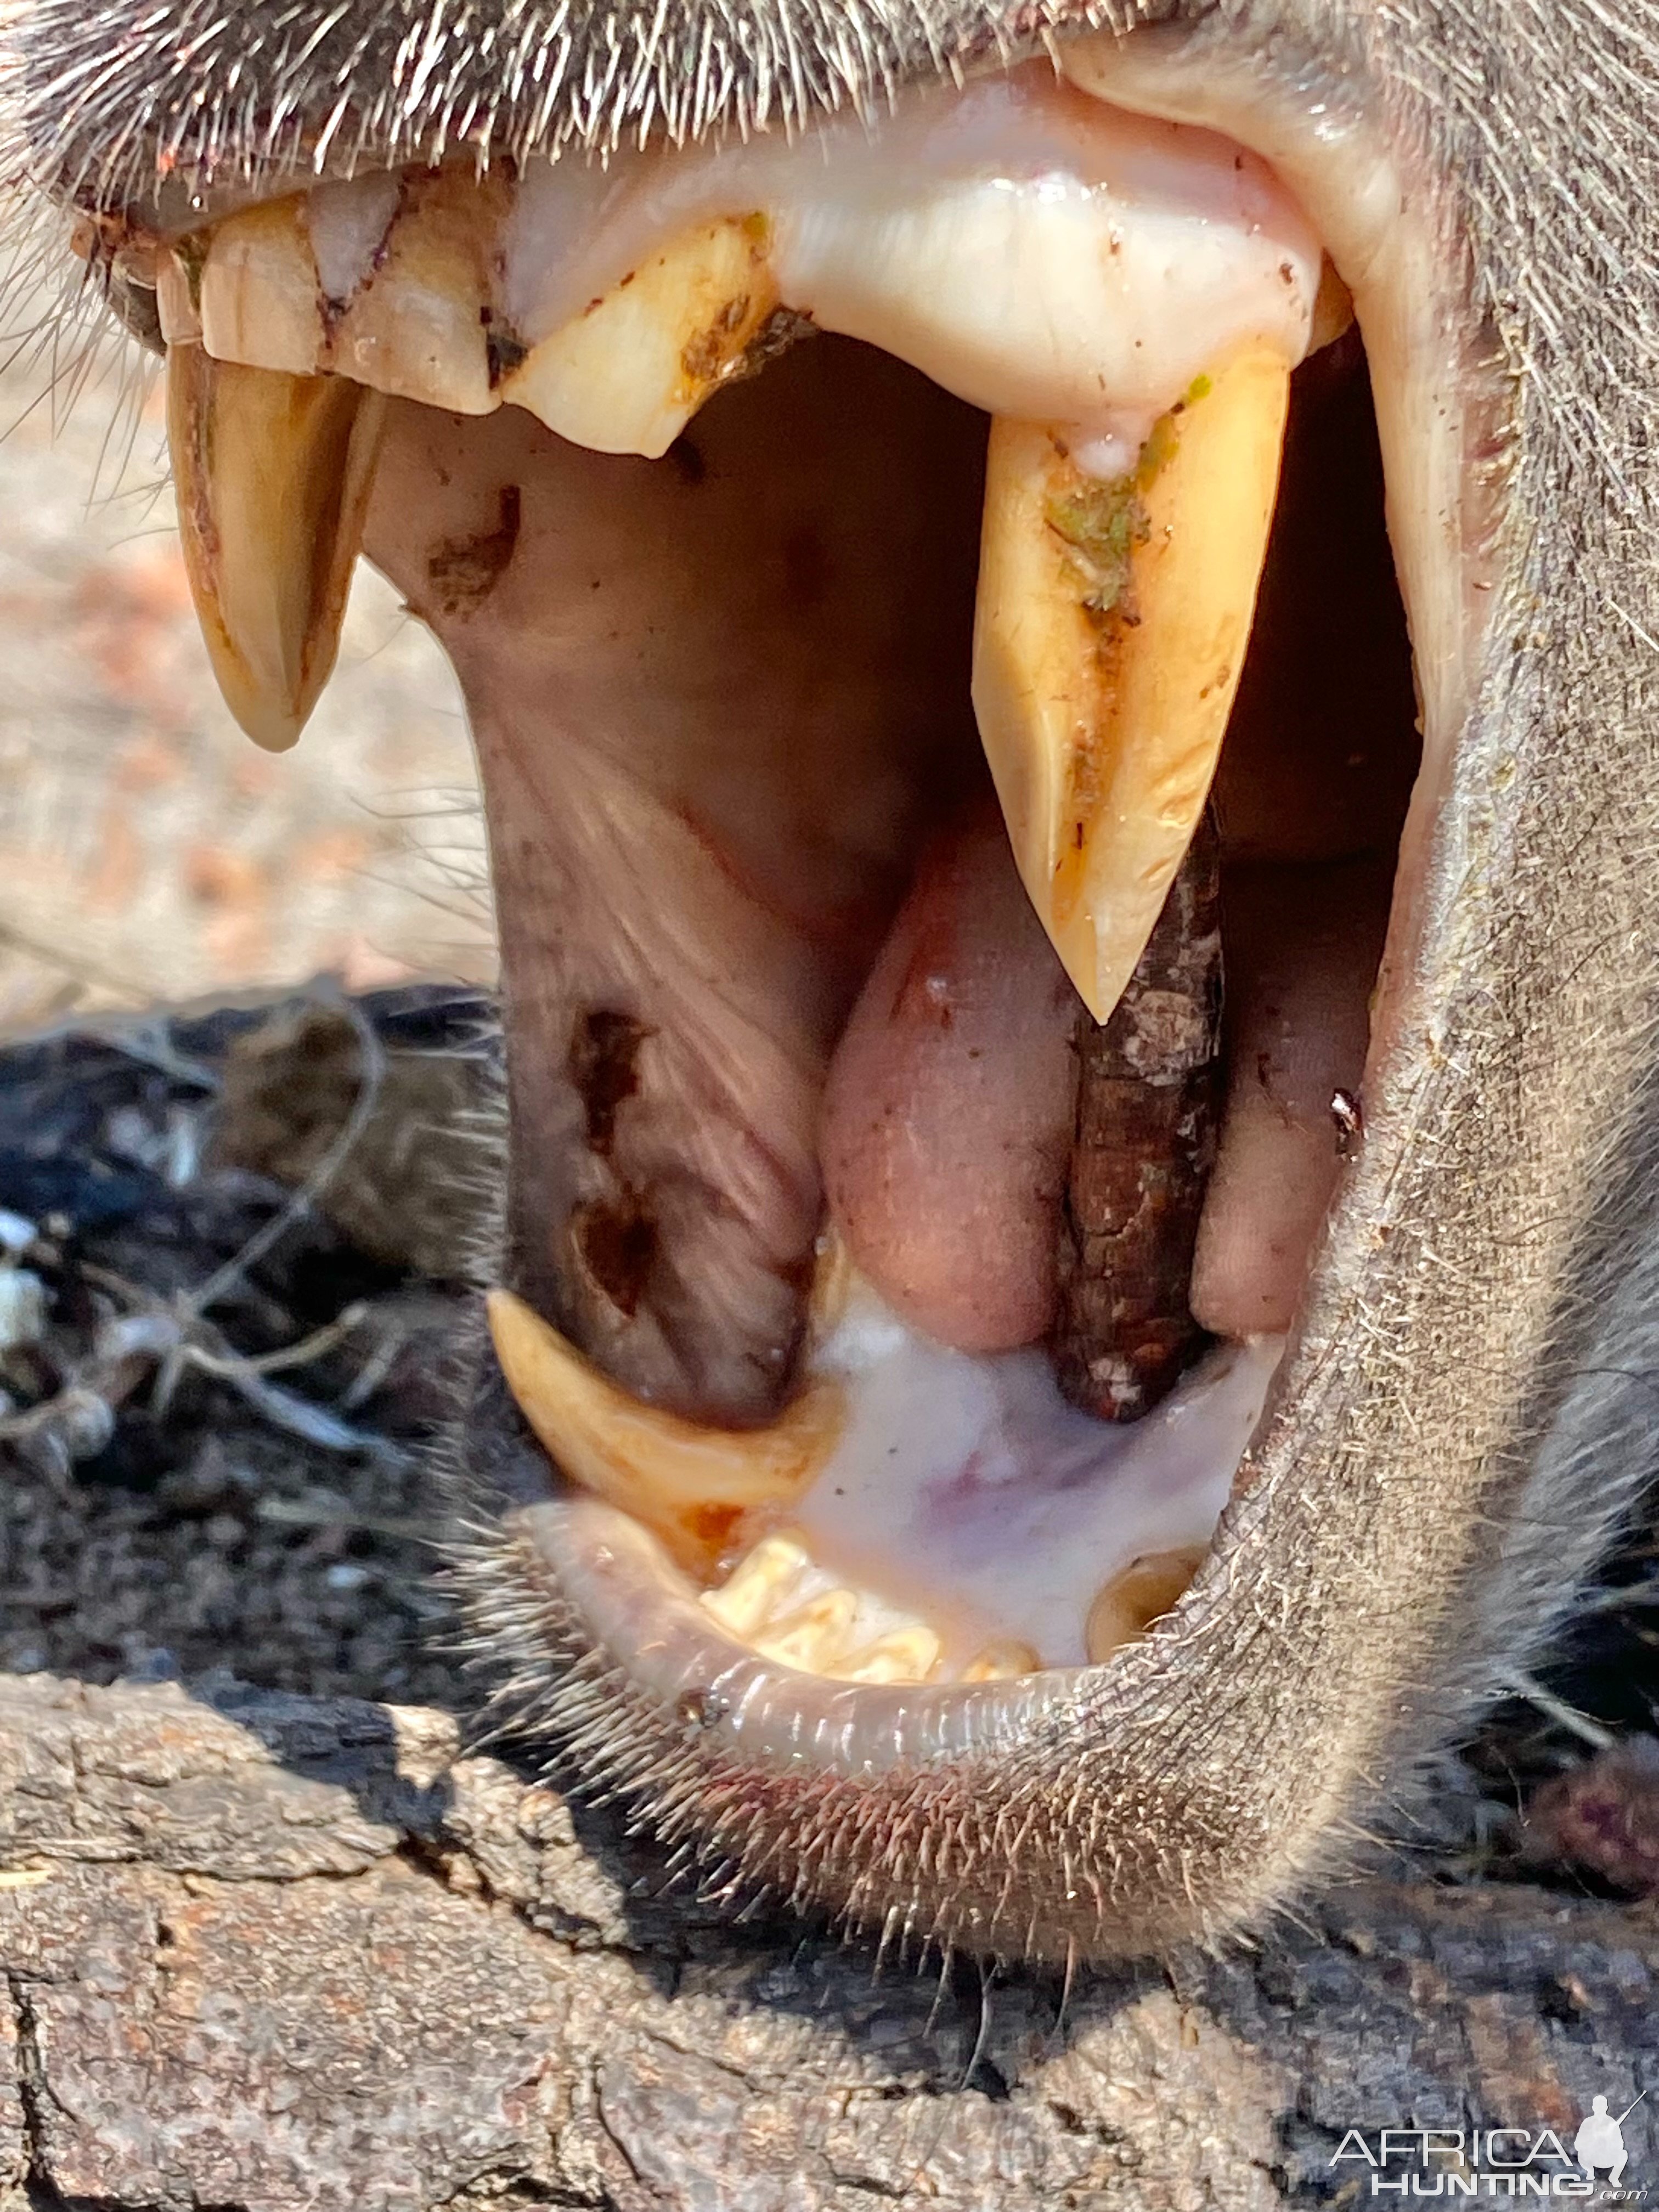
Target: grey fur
(1468,1411)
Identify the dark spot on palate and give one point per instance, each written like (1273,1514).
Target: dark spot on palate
(604,1045)
(463,571)
(617,1243)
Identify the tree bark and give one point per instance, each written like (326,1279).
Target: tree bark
(272,1952)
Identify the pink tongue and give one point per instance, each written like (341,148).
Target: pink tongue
(948,1117)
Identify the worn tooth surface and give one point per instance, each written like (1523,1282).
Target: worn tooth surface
(258,294)
(1127,1606)
(627,374)
(178,295)
(1110,633)
(815,1636)
(273,474)
(687,1482)
(418,324)
(759,1586)
(903,1655)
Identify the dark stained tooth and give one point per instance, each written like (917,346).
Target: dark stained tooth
(1149,1099)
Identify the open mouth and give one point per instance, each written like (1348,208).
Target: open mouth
(948,732)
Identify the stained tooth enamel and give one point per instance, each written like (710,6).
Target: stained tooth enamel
(273,474)
(259,296)
(418,324)
(1108,637)
(629,374)
(1142,1594)
(686,1481)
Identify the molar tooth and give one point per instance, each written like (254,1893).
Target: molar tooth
(815,1635)
(416,325)
(627,374)
(258,297)
(759,1586)
(686,1481)
(1108,637)
(903,1655)
(1127,1606)
(273,474)
(1001,1661)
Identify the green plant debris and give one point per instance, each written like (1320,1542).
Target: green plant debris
(1101,523)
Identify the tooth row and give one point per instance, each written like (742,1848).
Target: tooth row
(793,1612)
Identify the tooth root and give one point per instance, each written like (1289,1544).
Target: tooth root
(273,474)
(257,294)
(815,1636)
(627,374)
(418,324)
(903,1655)
(1108,637)
(1127,1606)
(1001,1661)
(759,1586)
(688,1482)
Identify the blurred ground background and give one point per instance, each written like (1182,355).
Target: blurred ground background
(147,851)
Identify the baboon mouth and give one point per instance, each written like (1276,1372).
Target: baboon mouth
(889,743)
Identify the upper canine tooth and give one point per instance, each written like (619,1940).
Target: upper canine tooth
(273,474)
(688,1482)
(627,374)
(1108,637)
(418,323)
(258,297)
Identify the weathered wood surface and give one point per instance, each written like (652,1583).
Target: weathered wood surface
(273,1952)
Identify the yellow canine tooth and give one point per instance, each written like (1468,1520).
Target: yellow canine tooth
(627,374)
(688,1482)
(1127,1605)
(273,474)
(903,1655)
(1108,637)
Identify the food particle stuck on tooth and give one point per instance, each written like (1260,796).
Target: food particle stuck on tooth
(272,474)
(689,1483)
(1148,1107)
(627,374)
(1109,638)
(1126,1607)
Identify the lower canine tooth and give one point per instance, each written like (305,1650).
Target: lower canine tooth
(1109,638)
(628,375)
(273,474)
(688,1482)
(1129,1604)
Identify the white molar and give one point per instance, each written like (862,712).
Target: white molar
(1041,254)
